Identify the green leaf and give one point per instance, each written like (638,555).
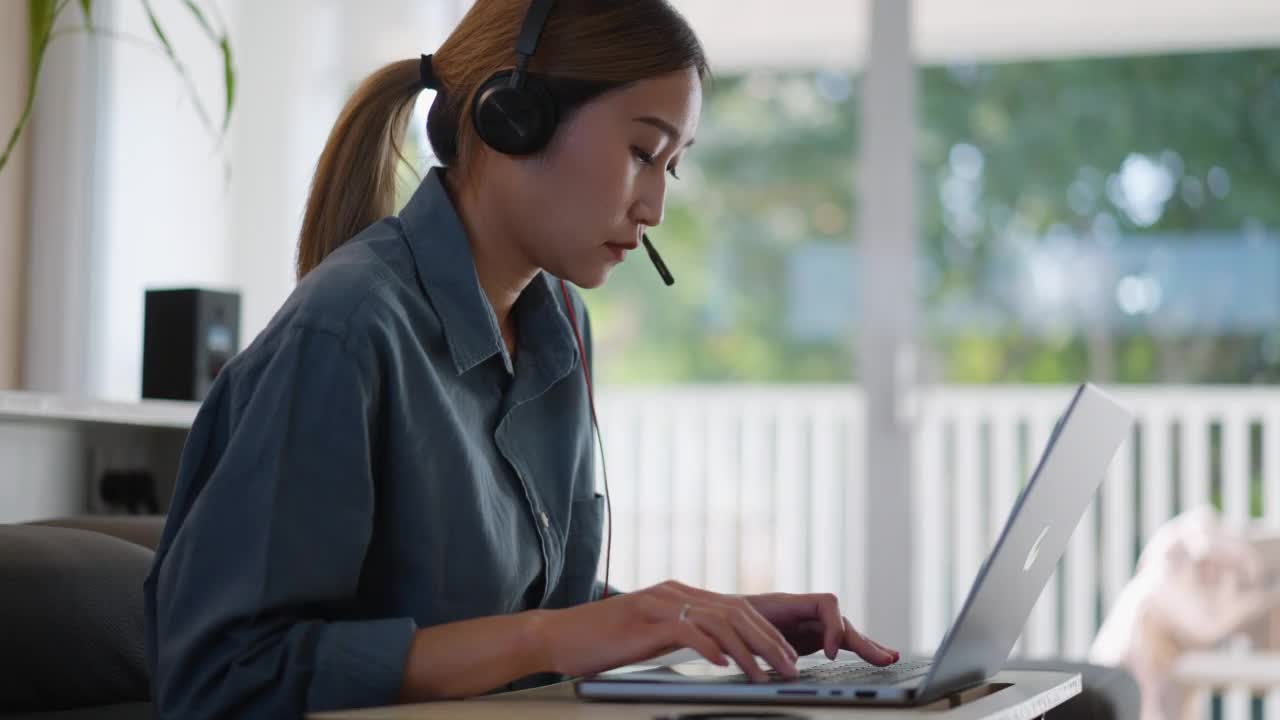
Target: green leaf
(200,18)
(224,45)
(229,75)
(41,15)
(86,9)
(155,27)
(177,65)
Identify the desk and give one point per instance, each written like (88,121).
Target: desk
(1027,695)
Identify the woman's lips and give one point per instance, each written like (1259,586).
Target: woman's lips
(619,251)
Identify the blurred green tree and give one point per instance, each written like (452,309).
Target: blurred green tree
(1008,152)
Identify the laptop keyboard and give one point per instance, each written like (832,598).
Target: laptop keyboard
(853,671)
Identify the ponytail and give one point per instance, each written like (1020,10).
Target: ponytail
(355,181)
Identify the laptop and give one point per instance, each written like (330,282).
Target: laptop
(978,643)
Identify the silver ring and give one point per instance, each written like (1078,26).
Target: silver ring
(684,612)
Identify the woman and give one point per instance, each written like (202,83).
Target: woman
(389,495)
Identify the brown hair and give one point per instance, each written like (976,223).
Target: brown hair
(588,47)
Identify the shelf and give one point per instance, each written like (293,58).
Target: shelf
(21,405)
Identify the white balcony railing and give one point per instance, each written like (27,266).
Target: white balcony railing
(736,488)
(750,488)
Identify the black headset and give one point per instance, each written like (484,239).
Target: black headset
(514,112)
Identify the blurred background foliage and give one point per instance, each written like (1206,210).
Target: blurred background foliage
(1089,156)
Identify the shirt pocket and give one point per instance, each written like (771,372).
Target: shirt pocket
(582,548)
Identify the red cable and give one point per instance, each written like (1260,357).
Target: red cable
(591,402)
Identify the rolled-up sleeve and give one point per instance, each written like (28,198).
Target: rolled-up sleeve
(246,603)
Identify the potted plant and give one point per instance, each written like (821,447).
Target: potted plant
(43,14)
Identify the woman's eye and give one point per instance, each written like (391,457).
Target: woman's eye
(647,159)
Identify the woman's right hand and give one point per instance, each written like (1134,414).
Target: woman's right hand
(594,637)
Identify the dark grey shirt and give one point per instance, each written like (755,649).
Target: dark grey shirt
(370,464)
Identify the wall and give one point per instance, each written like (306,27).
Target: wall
(172,215)
(164,196)
(62,282)
(13,191)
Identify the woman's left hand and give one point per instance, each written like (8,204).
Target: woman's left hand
(813,622)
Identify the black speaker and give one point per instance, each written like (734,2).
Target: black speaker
(188,336)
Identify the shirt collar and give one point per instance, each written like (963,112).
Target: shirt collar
(446,273)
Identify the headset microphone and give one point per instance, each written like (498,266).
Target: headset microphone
(657,260)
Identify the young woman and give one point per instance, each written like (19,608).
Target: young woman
(389,495)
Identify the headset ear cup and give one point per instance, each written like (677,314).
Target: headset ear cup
(514,121)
